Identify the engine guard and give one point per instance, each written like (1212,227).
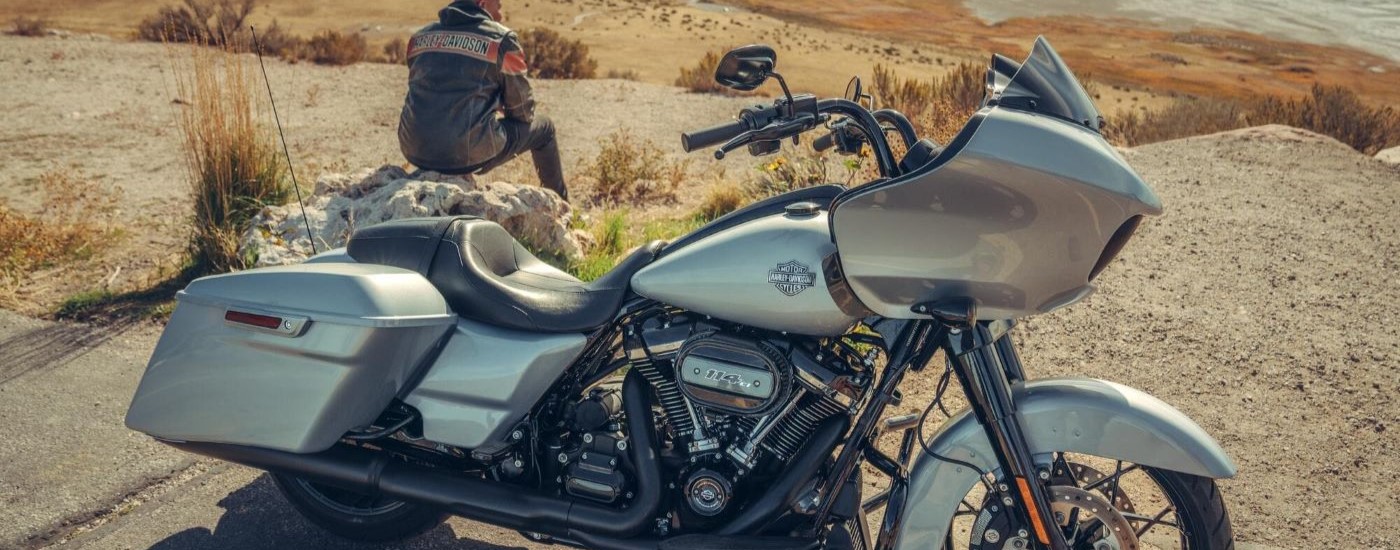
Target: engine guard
(1077,415)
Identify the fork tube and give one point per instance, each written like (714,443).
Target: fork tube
(983,372)
(916,343)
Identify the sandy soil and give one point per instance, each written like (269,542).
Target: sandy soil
(1262,304)
(106,109)
(652,39)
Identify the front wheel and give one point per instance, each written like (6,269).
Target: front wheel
(1104,504)
(356,516)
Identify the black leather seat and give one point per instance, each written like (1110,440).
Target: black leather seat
(486,275)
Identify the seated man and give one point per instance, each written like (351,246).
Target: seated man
(462,71)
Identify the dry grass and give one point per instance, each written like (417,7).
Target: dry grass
(213,22)
(224,24)
(396,51)
(700,78)
(1186,117)
(629,169)
(938,107)
(1334,111)
(336,48)
(75,221)
(722,199)
(29,26)
(624,74)
(230,155)
(1329,110)
(550,55)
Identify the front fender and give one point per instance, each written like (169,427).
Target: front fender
(1077,415)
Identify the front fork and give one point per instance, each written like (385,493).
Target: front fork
(985,362)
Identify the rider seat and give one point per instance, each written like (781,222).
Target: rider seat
(487,275)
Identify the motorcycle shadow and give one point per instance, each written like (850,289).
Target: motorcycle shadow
(258,517)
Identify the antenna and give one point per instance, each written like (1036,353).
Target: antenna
(257,48)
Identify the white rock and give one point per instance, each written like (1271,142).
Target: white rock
(341,203)
(1390,156)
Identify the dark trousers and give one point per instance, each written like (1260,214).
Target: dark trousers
(538,138)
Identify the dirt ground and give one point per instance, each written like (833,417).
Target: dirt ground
(1262,304)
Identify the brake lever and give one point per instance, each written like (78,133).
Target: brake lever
(771,132)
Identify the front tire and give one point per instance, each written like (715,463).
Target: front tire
(1106,504)
(358,517)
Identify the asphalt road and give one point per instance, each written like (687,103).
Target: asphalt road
(73,476)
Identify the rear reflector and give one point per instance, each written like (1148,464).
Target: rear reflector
(253,319)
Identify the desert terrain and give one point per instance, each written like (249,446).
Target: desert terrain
(1262,303)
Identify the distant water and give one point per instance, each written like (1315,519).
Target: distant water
(1371,25)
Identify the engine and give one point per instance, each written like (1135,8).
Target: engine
(738,403)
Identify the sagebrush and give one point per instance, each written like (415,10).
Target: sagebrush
(701,77)
(1334,111)
(212,22)
(330,47)
(628,168)
(550,55)
(29,26)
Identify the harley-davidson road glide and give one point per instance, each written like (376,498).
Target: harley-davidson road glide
(728,389)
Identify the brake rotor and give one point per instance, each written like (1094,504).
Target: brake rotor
(1081,475)
(996,528)
(1115,534)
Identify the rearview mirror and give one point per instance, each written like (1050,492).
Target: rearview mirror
(746,68)
(853,89)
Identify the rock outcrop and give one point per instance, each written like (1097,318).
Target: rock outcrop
(343,202)
(1390,156)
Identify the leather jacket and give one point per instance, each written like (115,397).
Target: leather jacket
(462,71)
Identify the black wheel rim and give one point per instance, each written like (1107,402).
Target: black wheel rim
(348,502)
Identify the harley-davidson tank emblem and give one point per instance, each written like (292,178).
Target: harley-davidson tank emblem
(792,277)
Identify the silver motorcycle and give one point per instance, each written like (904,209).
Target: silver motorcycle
(727,389)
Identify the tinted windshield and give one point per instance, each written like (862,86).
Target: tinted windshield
(1044,84)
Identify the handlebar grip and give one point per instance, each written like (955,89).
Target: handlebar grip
(713,135)
(825,142)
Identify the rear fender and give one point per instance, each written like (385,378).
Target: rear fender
(1077,415)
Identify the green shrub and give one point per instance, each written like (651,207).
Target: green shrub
(550,55)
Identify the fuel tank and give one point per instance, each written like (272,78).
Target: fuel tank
(766,273)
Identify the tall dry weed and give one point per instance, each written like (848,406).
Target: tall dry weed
(230,154)
(938,106)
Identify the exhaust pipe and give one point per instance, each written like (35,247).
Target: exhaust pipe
(506,506)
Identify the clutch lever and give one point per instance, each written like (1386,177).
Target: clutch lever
(772,132)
